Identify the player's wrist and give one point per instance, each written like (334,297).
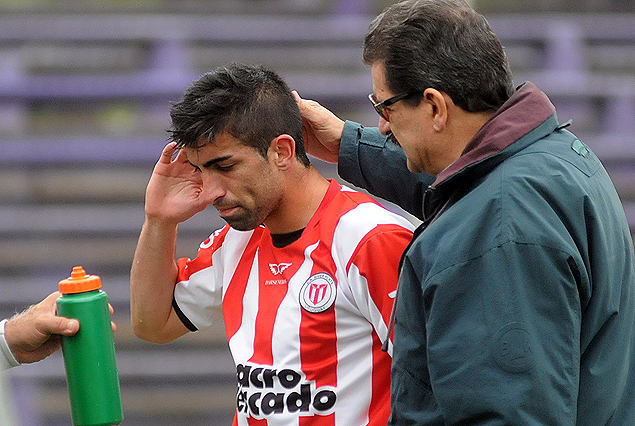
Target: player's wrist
(160,224)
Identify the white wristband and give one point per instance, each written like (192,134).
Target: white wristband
(7,360)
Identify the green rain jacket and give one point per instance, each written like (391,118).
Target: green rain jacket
(516,299)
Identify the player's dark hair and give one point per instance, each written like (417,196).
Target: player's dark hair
(251,103)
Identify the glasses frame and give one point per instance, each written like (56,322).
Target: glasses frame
(381,106)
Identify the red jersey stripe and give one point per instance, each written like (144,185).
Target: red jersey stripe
(236,289)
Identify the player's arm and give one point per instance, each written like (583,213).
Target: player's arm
(173,195)
(152,281)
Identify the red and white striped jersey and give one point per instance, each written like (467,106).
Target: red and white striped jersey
(304,322)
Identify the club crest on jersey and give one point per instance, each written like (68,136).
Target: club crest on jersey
(318,293)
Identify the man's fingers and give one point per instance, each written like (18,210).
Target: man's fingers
(305,105)
(72,327)
(297,98)
(59,325)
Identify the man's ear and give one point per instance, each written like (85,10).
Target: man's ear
(439,108)
(283,151)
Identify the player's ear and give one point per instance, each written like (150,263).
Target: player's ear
(283,151)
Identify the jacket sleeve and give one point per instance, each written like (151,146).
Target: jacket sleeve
(502,347)
(369,160)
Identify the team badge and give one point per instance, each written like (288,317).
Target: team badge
(318,293)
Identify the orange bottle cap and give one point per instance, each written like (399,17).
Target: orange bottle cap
(79,282)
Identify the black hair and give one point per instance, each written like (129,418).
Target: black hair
(251,103)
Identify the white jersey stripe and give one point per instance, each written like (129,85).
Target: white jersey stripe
(241,340)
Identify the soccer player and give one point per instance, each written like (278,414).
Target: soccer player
(304,272)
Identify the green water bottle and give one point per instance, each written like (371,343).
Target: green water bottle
(89,355)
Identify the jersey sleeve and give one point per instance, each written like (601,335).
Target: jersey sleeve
(374,271)
(198,294)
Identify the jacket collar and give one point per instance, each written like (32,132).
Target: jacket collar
(527,116)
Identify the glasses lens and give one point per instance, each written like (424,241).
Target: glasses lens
(379,106)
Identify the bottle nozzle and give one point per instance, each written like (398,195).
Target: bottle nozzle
(79,282)
(78,273)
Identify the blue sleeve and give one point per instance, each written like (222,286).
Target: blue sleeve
(369,160)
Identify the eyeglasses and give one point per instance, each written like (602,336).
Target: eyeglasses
(381,106)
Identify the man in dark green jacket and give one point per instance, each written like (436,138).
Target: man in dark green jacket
(516,300)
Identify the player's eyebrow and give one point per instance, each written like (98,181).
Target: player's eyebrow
(213,161)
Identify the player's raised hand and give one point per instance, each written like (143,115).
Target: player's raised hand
(174,191)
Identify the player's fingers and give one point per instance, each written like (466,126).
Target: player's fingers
(168,153)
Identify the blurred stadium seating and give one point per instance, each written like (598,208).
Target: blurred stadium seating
(83,112)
